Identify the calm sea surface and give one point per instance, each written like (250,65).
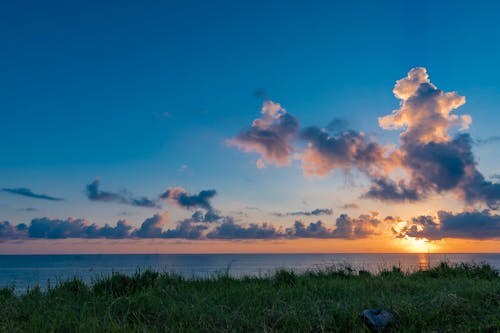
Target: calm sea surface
(23,271)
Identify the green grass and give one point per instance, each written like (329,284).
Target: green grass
(459,298)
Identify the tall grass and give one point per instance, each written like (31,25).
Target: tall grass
(446,298)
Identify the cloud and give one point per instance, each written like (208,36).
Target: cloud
(350,206)
(466,225)
(314,212)
(355,228)
(433,154)
(152,227)
(313,230)
(209,217)
(95,194)
(433,159)
(389,190)
(186,229)
(425,112)
(436,167)
(270,135)
(230,230)
(121,230)
(10,231)
(75,228)
(28,193)
(326,152)
(183,199)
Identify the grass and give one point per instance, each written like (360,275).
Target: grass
(446,298)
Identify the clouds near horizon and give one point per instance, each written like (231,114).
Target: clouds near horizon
(465,225)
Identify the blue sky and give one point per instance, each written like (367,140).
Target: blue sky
(145,96)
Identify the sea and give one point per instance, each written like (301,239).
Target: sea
(23,272)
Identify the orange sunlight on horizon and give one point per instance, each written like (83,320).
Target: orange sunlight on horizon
(368,245)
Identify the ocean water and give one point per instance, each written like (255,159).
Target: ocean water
(25,271)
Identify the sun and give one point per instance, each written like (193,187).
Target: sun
(417,245)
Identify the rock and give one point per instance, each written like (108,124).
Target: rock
(377,319)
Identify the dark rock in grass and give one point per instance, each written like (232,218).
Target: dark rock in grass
(377,319)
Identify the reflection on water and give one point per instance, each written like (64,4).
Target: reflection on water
(23,271)
(424,261)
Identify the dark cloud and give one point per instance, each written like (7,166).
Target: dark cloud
(389,190)
(438,167)
(75,228)
(346,150)
(186,229)
(10,231)
(152,227)
(95,194)
(230,230)
(346,228)
(466,225)
(314,212)
(269,135)
(209,217)
(120,231)
(313,230)
(28,193)
(355,228)
(184,199)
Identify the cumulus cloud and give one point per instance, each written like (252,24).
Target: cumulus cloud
(184,199)
(425,112)
(433,154)
(28,193)
(152,227)
(355,228)
(469,225)
(209,217)
(313,230)
(433,160)
(75,228)
(345,150)
(390,190)
(314,212)
(10,231)
(186,229)
(230,230)
(270,135)
(96,194)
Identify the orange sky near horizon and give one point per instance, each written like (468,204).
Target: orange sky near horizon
(160,246)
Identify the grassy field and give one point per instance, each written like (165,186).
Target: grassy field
(460,298)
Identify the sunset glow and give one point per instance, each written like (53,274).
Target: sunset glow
(253,128)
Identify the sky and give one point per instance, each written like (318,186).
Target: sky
(249,126)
